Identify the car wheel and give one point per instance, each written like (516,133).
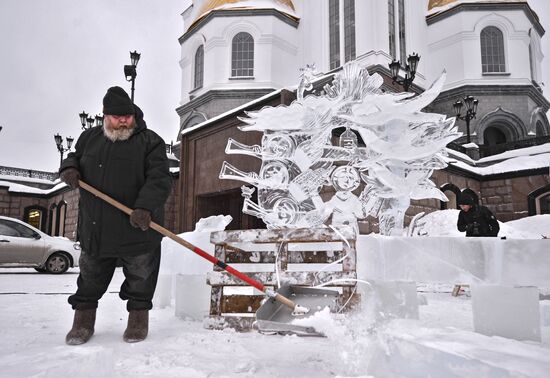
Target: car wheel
(40,270)
(57,263)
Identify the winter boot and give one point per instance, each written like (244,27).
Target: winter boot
(138,326)
(83,327)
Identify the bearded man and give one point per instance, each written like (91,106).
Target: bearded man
(128,162)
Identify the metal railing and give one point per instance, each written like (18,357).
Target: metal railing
(20,172)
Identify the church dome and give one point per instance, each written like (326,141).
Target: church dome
(441,3)
(284,6)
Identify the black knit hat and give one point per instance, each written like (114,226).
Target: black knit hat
(465,199)
(117,102)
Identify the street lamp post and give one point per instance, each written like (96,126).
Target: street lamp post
(410,71)
(130,70)
(471,110)
(59,143)
(88,122)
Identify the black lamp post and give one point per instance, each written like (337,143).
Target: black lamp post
(59,143)
(130,70)
(471,110)
(410,71)
(88,122)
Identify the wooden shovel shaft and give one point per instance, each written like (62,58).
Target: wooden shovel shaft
(163,231)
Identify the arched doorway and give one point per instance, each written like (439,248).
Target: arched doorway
(493,135)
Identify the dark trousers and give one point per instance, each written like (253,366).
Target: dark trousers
(140,272)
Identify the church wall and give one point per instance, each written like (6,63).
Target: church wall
(454,45)
(275,54)
(313,35)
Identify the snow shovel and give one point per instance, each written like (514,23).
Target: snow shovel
(278,308)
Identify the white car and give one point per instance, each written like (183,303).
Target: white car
(22,245)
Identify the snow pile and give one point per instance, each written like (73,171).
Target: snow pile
(213,223)
(443,223)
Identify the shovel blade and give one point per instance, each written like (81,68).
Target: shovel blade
(274,317)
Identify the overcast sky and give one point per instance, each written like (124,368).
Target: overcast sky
(58,57)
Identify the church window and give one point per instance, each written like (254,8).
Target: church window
(242,58)
(349,29)
(341,32)
(199,67)
(334,33)
(396,30)
(391,27)
(492,50)
(402,43)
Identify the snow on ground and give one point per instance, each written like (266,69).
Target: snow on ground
(443,223)
(441,343)
(35,317)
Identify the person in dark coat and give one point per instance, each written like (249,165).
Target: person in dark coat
(475,219)
(127,161)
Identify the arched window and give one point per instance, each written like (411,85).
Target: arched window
(242,56)
(452,192)
(36,217)
(61,216)
(52,229)
(540,128)
(493,135)
(492,50)
(199,67)
(538,201)
(544,204)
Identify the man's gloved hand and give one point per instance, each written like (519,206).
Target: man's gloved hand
(70,176)
(140,218)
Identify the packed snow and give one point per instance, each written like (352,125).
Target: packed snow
(369,342)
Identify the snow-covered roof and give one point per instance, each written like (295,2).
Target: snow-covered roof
(20,188)
(509,161)
(437,6)
(233,111)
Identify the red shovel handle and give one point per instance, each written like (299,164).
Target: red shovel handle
(197,250)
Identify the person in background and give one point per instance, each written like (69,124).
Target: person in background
(475,219)
(127,161)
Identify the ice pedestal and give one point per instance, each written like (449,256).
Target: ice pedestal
(545,313)
(163,292)
(391,299)
(192,296)
(511,312)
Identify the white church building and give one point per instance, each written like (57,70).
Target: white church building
(243,55)
(235,51)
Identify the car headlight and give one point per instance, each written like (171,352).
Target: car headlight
(76,246)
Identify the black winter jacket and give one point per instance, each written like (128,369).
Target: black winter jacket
(134,172)
(478,221)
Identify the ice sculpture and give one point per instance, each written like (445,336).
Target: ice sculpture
(402,147)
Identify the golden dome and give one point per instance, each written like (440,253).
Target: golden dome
(438,3)
(210,5)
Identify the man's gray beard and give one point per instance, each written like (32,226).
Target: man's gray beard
(115,135)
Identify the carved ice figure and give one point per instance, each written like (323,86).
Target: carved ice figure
(402,148)
(345,206)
